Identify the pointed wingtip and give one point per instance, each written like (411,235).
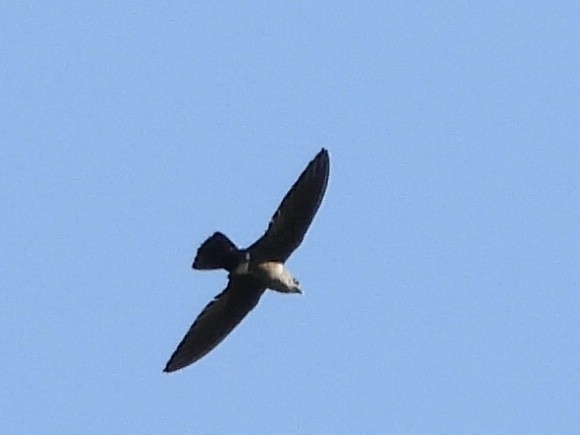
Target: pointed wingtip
(324,156)
(172,366)
(322,161)
(177,361)
(167,368)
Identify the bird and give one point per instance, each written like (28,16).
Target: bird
(253,270)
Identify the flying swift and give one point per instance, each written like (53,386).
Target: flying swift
(254,269)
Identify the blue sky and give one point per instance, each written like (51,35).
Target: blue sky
(441,273)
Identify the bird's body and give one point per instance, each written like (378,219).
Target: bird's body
(274,275)
(254,269)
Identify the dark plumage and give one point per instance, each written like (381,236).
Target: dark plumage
(254,269)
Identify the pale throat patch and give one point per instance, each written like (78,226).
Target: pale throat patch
(273,274)
(278,277)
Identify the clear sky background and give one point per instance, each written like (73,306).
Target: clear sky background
(441,274)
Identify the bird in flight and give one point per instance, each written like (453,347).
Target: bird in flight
(254,269)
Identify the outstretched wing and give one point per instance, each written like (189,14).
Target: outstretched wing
(295,213)
(216,321)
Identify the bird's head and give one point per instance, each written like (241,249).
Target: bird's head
(295,287)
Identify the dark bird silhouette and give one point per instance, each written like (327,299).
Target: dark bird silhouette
(254,269)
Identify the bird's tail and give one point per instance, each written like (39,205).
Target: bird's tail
(217,252)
